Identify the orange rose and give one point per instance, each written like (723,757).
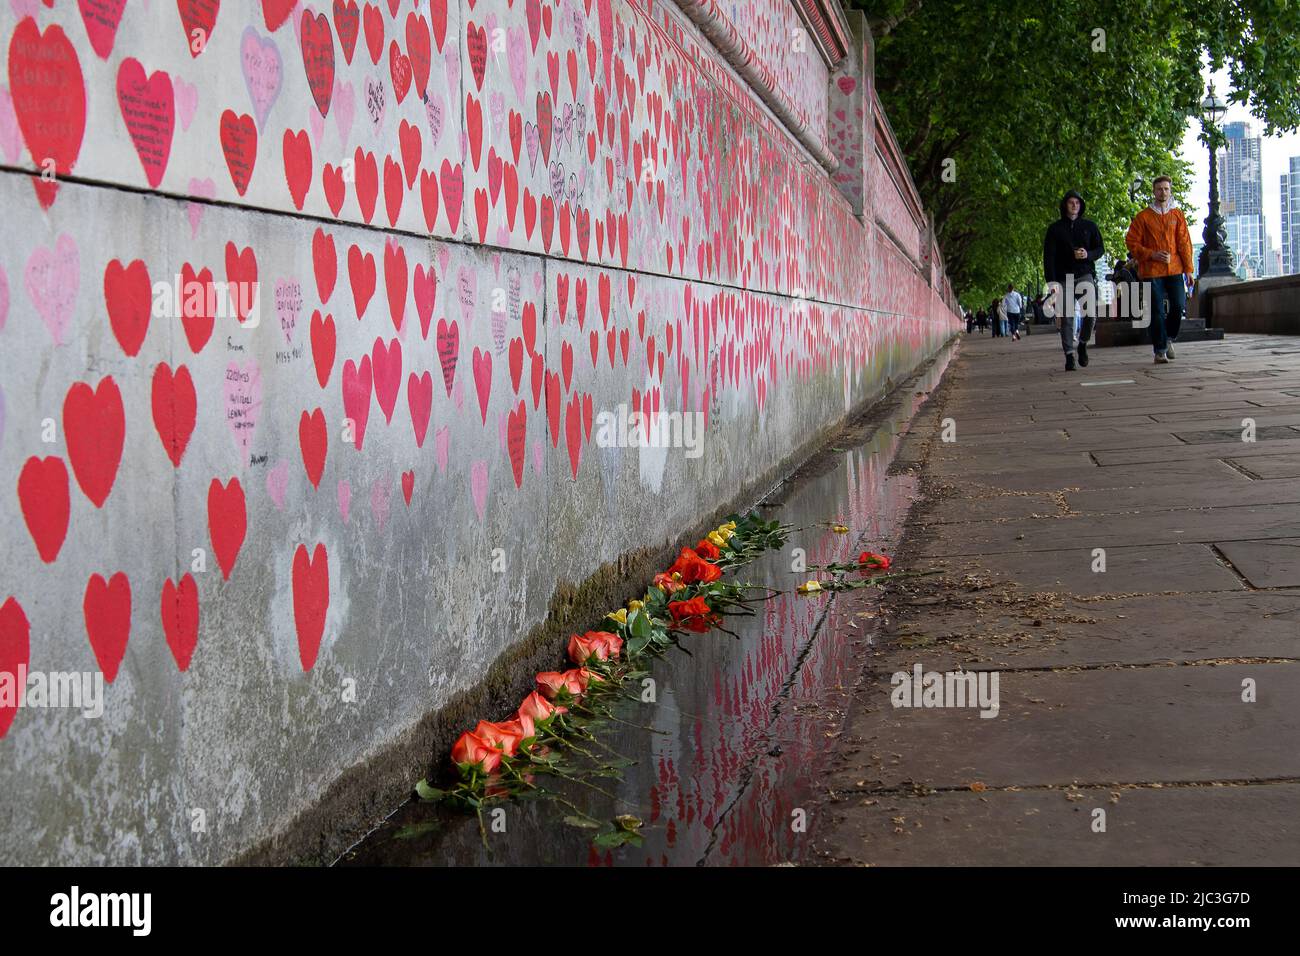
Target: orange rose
(707,550)
(600,645)
(869,559)
(693,615)
(538,709)
(504,736)
(472,752)
(694,569)
(553,684)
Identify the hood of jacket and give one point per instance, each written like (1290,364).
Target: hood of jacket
(1072,195)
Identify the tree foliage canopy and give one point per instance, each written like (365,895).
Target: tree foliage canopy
(1029,99)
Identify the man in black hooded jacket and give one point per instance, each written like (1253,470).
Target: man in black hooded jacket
(1070,248)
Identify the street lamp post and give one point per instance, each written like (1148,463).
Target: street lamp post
(1216,257)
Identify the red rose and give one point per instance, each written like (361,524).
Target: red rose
(694,569)
(472,752)
(521,727)
(553,684)
(538,709)
(707,549)
(693,615)
(598,644)
(869,559)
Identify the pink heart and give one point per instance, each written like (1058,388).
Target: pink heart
(380,492)
(344,106)
(10,138)
(187,100)
(539,457)
(263,69)
(4,298)
(317,124)
(53,277)
(203,188)
(442,442)
(466,289)
(478,485)
(242,390)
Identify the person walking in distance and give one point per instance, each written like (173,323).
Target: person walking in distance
(1160,243)
(1070,248)
(1013,304)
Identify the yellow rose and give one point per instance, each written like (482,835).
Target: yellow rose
(717,539)
(809,587)
(635,605)
(620,615)
(839,529)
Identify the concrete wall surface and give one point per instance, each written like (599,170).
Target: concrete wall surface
(281,527)
(1261,306)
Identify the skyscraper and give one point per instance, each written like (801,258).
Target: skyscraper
(1242,202)
(1291,218)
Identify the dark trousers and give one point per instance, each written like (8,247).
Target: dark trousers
(1168,300)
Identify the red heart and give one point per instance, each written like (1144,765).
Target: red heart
(399,68)
(482,362)
(453,187)
(412,146)
(481,212)
(438,15)
(239,144)
(241,278)
(386,364)
(180,618)
(516,362)
(361,273)
(395,281)
(366,176)
(429,197)
(357,387)
(476,45)
(325,263)
(393,191)
(313,440)
(511,179)
(425,291)
(474,128)
(198,17)
(448,340)
(43,497)
(374,24)
(15,653)
(516,133)
(516,436)
(573,432)
(566,364)
(276,12)
(553,406)
(94,426)
(545,121)
(128,294)
(198,306)
(102,18)
(107,611)
(418,48)
(297,165)
(227,522)
(148,108)
(408,486)
(588,408)
(539,367)
(311,600)
(317,44)
(322,346)
(175,409)
(335,187)
(347,21)
(419,398)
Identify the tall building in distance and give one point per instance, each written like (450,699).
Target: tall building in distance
(1291,218)
(1242,200)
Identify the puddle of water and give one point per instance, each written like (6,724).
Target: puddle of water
(731,751)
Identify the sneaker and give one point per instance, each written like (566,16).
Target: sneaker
(1161,358)
(1169,350)
(1069,361)
(1083,355)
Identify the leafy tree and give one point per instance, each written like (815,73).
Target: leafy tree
(1030,99)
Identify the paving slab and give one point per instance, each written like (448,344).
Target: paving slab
(1269,466)
(1265,564)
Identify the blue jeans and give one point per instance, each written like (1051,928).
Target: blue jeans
(1168,300)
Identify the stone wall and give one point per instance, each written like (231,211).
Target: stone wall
(289,524)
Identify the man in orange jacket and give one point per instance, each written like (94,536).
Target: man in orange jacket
(1162,246)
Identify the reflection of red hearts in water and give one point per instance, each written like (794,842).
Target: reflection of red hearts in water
(15,652)
(45,502)
(49,97)
(107,610)
(175,409)
(180,618)
(227,522)
(311,600)
(94,426)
